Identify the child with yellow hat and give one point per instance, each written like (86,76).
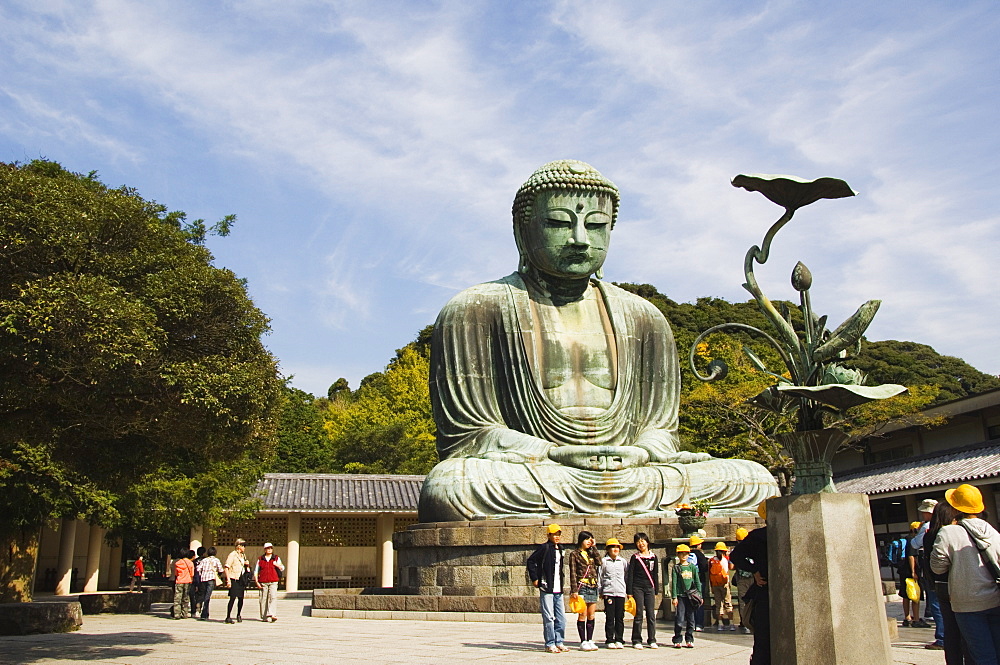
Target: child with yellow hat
(611,581)
(686,597)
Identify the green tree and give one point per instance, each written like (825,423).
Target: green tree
(303,444)
(135,391)
(386,426)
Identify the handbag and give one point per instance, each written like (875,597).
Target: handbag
(577,605)
(912,589)
(630,605)
(695,597)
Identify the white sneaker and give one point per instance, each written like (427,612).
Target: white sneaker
(584,646)
(637,645)
(719,628)
(593,645)
(732,627)
(619,645)
(652,645)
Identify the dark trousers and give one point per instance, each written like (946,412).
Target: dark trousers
(684,621)
(761,629)
(955,651)
(206,596)
(645,606)
(614,619)
(196,591)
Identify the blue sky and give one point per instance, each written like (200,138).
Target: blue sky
(371,151)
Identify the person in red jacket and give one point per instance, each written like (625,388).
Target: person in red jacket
(138,571)
(266,573)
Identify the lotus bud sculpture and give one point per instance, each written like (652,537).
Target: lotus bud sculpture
(817,386)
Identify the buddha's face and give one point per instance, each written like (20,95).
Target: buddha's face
(568,234)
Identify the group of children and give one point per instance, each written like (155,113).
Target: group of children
(630,585)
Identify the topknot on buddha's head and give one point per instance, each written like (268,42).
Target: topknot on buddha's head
(563,175)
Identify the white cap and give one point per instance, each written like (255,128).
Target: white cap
(266,545)
(926,506)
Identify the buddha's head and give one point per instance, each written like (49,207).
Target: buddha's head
(563,216)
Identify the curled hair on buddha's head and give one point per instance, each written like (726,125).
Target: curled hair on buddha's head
(564,175)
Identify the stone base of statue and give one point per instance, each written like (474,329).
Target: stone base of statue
(826,600)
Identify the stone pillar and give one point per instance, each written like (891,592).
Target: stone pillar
(93,559)
(64,567)
(826,597)
(384,526)
(292,565)
(196,537)
(111,575)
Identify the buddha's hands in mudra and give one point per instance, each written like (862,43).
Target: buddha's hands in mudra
(600,458)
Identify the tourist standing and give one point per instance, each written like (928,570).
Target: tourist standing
(545,569)
(698,558)
(956,652)
(718,579)
(183,576)
(686,578)
(266,574)
(238,577)
(584,566)
(750,555)
(196,587)
(922,574)
(613,591)
(968,552)
(641,582)
(209,569)
(744,580)
(138,570)
(911,608)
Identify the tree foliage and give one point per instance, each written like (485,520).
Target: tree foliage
(134,387)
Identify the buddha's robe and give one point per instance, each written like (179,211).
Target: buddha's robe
(496,427)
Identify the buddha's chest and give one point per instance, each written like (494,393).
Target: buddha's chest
(575,353)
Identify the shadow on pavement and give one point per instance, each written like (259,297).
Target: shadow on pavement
(73,647)
(505,646)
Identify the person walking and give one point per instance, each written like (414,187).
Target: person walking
(718,579)
(697,556)
(956,652)
(138,571)
(641,582)
(183,575)
(584,567)
(238,577)
(968,552)
(744,580)
(545,570)
(611,580)
(209,569)
(686,579)
(266,574)
(750,554)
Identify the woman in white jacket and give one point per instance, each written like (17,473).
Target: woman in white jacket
(968,553)
(611,582)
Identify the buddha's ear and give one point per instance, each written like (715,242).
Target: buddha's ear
(599,273)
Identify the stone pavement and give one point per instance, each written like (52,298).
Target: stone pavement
(298,638)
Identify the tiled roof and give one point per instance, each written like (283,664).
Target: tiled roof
(981,460)
(313,492)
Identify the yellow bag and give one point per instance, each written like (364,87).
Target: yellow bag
(912,589)
(630,605)
(577,605)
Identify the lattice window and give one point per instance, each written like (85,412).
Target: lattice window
(338,531)
(400,523)
(257,531)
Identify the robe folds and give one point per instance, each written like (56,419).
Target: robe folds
(495,425)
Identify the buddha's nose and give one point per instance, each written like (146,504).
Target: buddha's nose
(579,236)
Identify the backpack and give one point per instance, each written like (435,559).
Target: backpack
(896,550)
(717,574)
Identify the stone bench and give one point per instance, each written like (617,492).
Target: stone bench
(47,617)
(324,599)
(115,602)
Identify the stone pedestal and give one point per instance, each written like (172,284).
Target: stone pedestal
(826,597)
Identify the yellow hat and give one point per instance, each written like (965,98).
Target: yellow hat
(683,548)
(721,547)
(555,528)
(741,533)
(612,542)
(965,498)
(914,525)
(762,509)
(695,540)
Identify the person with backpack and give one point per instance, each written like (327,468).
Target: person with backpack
(956,652)
(687,579)
(197,589)
(744,580)
(612,582)
(722,596)
(968,552)
(641,582)
(266,574)
(697,557)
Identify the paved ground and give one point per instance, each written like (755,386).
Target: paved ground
(299,638)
